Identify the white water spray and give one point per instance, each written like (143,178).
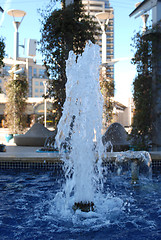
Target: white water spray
(83,107)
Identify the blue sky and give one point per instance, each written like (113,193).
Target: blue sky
(124,28)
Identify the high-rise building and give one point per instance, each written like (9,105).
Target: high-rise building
(93,7)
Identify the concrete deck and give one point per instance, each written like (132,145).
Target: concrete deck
(28,154)
(23,154)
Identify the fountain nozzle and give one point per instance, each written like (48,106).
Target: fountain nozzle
(83,206)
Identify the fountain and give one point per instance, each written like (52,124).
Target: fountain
(91,202)
(79,135)
(81,124)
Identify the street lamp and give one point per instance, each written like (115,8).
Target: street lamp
(45,85)
(103,19)
(16,14)
(144,17)
(1,9)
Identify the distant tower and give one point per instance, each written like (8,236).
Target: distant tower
(94,7)
(97,6)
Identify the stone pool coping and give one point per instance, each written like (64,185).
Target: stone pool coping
(21,153)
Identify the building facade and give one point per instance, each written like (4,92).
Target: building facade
(35,74)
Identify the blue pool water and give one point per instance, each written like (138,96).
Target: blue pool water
(31,207)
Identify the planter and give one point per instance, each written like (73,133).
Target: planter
(8,137)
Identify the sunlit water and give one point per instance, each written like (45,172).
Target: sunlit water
(31,207)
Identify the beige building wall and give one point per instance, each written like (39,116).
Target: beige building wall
(124,114)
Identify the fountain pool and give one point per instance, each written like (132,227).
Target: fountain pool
(32,207)
(37,205)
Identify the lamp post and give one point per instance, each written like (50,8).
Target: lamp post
(103,20)
(45,85)
(16,14)
(1,9)
(15,70)
(144,17)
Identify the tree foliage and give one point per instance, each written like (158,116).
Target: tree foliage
(107,90)
(17,92)
(63,30)
(2,51)
(144,59)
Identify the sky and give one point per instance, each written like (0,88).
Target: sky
(124,29)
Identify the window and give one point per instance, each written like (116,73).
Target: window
(30,72)
(109,53)
(42,73)
(36,90)
(41,84)
(36,83)
(96,5)
(41,90)
(6,69)
(35,72)
(107,5)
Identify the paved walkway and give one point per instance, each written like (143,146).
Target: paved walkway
(28,154)
(22,153)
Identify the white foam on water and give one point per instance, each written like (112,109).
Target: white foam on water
(107,209)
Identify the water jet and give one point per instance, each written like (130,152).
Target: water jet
(81,124)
